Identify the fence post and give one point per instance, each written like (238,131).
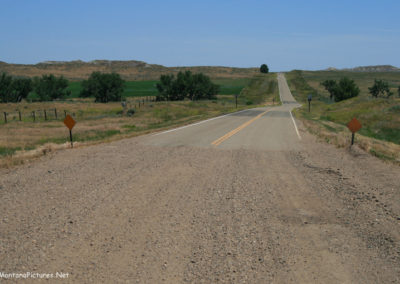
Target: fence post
(5,117)
(65,113)
(45,115)
(19,113)
(55,112)
(34,116)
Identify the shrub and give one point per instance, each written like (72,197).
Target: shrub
(345,89)
(380,88)
(130,112)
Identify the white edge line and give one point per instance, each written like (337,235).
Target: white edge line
(295,126)
(197,123)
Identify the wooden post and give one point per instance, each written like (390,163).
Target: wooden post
(5,117)
(55,112)
(65,113)
(19,113)
(70,138)
(34,116)
(45,115)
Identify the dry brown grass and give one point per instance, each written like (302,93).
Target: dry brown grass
(340,136)
(129,70)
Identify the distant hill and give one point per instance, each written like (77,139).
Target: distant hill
(129,70)
(375,68)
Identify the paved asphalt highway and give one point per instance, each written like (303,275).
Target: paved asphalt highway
(271,128)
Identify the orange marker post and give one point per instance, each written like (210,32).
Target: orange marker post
(70,123)
(354,125)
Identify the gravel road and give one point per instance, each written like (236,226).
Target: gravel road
(174,208)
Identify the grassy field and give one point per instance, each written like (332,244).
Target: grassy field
(261,88)
(97,122)
(380,117)
(148,88)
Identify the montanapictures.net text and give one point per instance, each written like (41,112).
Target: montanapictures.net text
(34,275)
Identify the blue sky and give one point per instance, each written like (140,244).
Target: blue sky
(284,34)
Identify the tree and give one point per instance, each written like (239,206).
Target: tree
(21,88)
(165,87)
(14,90)
(5,88)
(203,88)
(330,86)
(186,85)
(346,89)
(104,87)
(49,87)
(380,88)
(264,68)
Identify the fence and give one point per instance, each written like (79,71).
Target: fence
(56,114)
(35,115)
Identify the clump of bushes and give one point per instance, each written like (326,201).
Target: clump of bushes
(130,112)
(186,85)
(380,89)
(50,87)
(103,87)
(342,90)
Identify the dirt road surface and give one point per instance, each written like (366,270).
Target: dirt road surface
(244,198)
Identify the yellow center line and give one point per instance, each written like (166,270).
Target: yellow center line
(236,130)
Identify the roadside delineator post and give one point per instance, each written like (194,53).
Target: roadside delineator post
(70,123)
(354,125)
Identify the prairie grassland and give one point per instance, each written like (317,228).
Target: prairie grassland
(380,117)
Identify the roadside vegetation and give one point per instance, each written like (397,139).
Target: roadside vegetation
(262,88)
(378,112)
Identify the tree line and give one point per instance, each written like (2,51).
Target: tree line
(102,86)
(105,87)
(347,88)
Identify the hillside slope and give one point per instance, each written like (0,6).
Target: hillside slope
(129,70)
